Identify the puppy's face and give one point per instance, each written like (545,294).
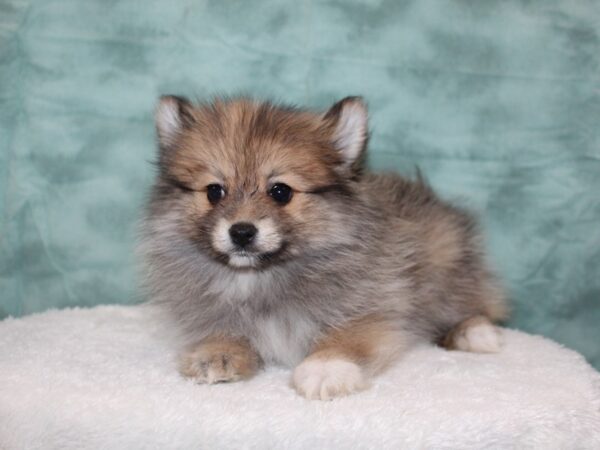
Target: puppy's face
(253,184)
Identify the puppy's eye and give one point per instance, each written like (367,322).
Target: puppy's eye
(215,192)
(281,193)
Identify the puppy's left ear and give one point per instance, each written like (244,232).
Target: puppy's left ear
(349,120)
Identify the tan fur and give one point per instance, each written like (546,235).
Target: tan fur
(211,152)
(218,359)
(371,342)
(443,244)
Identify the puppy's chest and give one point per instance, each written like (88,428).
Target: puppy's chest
(261,309)
(283,338)
(238,287)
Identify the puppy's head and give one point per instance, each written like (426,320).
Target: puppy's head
(253,184)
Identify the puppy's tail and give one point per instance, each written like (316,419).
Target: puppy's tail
(421,179)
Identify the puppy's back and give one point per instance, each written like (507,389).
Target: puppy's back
(449,264)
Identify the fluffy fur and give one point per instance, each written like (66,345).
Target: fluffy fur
(339,281)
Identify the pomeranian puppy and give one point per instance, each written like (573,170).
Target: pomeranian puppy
(269,243)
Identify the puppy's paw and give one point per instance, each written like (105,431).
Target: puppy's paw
(326,379)
(219,361)
(477,335)
(481,338)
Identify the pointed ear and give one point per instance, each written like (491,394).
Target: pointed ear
(172,115)
(349,119)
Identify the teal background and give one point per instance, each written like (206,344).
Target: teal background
(496,101)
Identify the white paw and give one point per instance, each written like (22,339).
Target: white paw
(480,338)
(325,379)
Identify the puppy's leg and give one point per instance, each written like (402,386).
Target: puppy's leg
(343,361)
(476,334)
(219,358)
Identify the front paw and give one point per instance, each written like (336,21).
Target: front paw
(219,361)
(326,379)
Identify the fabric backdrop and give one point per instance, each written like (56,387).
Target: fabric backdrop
(497,102)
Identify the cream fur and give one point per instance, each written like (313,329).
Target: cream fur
(480,338)
(326,379)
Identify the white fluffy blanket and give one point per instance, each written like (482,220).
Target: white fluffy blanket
(106,378)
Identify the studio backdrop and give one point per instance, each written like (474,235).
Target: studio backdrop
(497,102)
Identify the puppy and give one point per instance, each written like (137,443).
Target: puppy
(268,242)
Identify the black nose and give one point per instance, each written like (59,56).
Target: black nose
(242,233)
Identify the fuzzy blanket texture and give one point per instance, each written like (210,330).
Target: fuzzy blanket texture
(106,378)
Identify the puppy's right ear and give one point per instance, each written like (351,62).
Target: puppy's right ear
(173,114)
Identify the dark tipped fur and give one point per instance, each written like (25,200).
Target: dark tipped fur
(349,245)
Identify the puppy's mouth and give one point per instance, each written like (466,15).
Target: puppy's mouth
(248,260)
(243,259)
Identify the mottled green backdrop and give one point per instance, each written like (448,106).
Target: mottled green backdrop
(498,102)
